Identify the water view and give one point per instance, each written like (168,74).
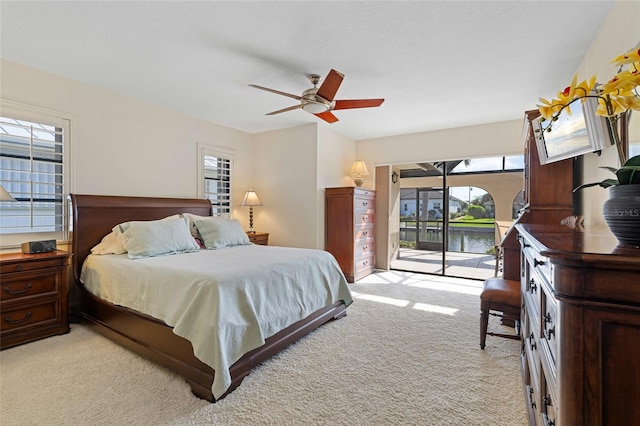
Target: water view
(462,239)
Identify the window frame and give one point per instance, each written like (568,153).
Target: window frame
(205,150)
(21,111)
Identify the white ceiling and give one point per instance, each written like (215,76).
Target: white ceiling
(438,64)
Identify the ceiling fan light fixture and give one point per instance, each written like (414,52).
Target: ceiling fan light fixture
(315,108)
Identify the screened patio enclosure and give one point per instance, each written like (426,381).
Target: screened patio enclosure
(447,222)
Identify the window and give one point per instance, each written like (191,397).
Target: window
(216,166)
(33,170)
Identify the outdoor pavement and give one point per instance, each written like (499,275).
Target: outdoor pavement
(458,264)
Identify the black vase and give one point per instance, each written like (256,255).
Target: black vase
(622,213)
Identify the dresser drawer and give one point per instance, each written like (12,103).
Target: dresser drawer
(532,350)
(364,204)
(365,234)
(364,219)
(9,267)
(364,266)
(29,285)
(364,250)
(33,315)
(548,404)
(549,326)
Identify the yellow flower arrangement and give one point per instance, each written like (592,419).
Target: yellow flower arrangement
(615,97)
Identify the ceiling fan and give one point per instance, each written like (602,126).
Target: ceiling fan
(320,101)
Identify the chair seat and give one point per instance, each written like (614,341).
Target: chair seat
(500,295)
(501,291)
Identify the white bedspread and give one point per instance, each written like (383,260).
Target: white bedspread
(225,302)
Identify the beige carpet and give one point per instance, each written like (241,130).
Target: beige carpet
(406,354)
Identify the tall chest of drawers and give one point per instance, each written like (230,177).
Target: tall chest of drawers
(34,296)
(349,229)
(580,327)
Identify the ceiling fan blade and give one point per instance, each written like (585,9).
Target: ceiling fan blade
(330,85)
(291,108)
(357,103)
(276,92)
(327,116)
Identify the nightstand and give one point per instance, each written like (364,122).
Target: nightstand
(34,296)
(261,238)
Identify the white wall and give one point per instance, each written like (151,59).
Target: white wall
(619,33)
(503,138)
(122,146)
(292,168)
(336,154)
(285,180)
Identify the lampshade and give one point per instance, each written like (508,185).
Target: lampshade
(251,199)
(359,169)
(5,196)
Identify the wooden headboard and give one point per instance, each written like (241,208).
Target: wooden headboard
(95,215)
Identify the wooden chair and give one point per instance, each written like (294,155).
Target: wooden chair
(500,298)
(500,230)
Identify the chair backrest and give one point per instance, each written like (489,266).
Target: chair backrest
(501,227)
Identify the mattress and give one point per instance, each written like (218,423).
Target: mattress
(225,302)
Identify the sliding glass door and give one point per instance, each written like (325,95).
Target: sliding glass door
(430,223)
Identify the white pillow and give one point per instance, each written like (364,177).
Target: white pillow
(217,233)
(192,226)
(156,237)
(110,244)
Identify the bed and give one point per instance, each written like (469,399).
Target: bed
(95,215)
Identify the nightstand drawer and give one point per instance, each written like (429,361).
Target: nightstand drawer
(20,266)
(29,285)
(30,315)
(260,238)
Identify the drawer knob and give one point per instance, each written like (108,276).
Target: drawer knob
(24,290)
(19,268)
(12,321)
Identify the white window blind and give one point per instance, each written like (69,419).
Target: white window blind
(32,170)
(216,180)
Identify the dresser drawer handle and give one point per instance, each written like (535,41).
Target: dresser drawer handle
(550,333)
(537,262)
(26,289)
(19,268)
(365,204)
(10,321)
(533,285)
(365,233)
(531,399)
(532,342)
(546,421)
(365,248)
